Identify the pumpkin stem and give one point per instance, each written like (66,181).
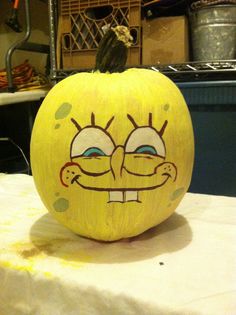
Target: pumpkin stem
(113,50)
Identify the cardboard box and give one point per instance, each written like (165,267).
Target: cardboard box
(165,40)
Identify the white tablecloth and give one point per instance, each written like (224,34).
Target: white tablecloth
(23,96)
(186,265)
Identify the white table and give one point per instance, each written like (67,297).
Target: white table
(22,97)
(186,265)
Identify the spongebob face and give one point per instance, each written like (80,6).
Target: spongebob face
(121,170)
(118,152)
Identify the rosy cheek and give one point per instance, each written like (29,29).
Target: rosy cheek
(168,169)
(68,172)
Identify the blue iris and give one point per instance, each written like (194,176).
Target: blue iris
(90,152)
(146,149)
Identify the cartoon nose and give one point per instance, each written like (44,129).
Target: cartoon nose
(117,160)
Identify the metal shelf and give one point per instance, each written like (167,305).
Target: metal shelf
(191,71)
(184,72)
(199,71)
(23,44)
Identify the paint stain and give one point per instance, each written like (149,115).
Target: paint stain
(63,111)
(166,107)
(27,253)
(177,193)
(27,250)
(57,126)
(61,205)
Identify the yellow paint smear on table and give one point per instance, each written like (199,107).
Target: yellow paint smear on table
(28,257)
(26,266)
(5,229)
(7,222)
(24,257)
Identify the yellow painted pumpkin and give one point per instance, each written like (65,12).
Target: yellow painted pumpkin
(112,153)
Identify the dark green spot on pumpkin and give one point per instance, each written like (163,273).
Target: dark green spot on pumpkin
(57,126)
(177,193)
(166,107)
(63,111)
(61,205)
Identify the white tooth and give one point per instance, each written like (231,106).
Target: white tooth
(116,196)
(131,196)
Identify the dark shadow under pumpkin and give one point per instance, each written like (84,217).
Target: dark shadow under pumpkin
(52,239)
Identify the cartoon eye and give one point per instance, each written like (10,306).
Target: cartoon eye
(93,152)
(146,149)
(145,140)
(92,141)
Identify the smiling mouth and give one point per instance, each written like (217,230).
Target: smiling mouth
(122,195)
(117,195)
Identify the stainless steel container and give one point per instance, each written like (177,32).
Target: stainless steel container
(213,32)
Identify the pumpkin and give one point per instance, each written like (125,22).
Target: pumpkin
(112,151)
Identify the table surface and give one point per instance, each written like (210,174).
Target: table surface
(21,97)
(186,265)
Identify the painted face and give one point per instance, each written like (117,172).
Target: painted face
(99,164)
(118,157)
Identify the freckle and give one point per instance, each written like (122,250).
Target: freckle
(67,177)
(57,194)
(177,193)
(73,172)
(68,171)
(166,107)
(61,205)
(63,111)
